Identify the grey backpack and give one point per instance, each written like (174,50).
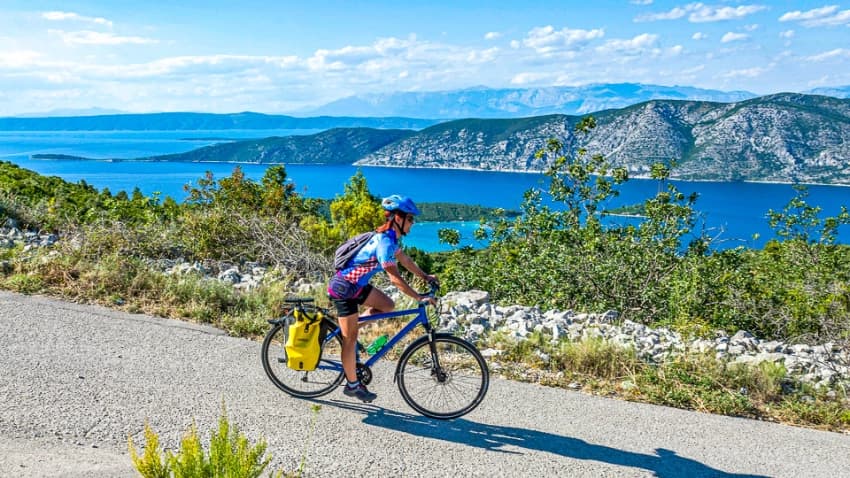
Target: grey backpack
(348,249)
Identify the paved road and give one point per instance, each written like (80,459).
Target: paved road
(78,380)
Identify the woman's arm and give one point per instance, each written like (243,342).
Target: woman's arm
(398,281)
(408,264)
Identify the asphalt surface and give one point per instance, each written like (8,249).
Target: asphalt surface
(76,381)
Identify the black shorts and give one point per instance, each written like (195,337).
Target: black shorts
(351,306)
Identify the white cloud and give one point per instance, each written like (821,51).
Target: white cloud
(751,28)
(745,73)
(388,45)
(674,14)
(824,16)
(699,36)
(731,36)
(829,55)
(18,58)
(98,38)
(547,39)
(701,13)
(529,77)
(347,54)
(691,71)
(636,44)
(65,16)
(704,13)
(492,35)
(640,2)
(515,44)
(189,66)
(787,34)
(482,56)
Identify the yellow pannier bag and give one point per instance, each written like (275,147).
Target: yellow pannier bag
(303,347)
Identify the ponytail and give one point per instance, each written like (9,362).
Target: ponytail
(387,225)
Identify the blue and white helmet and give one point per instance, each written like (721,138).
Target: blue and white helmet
(400,203)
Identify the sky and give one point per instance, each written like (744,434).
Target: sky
(282,56)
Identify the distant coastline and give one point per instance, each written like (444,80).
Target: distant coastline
(67,157)
(636,176)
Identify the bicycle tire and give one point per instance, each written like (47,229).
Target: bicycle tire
(458,392)
(302,384)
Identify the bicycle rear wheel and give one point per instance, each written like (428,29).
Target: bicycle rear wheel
(315,383)
(446,383)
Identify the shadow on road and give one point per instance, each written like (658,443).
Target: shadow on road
(664,463)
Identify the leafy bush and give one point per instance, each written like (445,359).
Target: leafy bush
(230,454)
(237,219)
(356,211)
(24,283)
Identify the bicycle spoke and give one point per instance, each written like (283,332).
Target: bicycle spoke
(453,390)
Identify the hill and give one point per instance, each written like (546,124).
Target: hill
(784,137)
(335,146)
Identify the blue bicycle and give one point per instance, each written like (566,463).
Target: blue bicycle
(439,375)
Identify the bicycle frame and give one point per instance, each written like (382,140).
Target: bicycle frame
(420,319)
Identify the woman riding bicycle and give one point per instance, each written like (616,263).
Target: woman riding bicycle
(350,287)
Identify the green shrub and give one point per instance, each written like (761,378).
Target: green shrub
(596,358)
(152,464)
(695,382)
(830,414)
(230,454)
(24,283)
(593,358)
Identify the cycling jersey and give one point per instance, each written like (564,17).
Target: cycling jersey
(375,256)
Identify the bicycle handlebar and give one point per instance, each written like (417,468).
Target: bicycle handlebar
(435,287)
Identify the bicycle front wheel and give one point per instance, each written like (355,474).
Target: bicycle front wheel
(446,378)
(301,384)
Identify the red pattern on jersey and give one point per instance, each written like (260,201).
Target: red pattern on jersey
(356,273)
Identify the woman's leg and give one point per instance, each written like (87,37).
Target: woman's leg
(348,326)
(378,302)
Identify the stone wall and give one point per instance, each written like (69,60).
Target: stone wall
(471,314)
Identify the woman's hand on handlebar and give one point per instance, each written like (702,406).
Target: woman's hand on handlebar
(432,282)
(434,285)
(429,298)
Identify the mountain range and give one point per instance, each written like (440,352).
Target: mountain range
(781,138)
(405,110)
(483,102)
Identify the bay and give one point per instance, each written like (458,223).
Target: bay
(731,212)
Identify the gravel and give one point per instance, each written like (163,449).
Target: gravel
(77,381)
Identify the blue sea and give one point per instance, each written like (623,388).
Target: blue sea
(732,213)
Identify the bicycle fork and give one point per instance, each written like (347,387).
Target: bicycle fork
(436,371)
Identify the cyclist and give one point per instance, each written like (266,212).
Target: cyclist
(350,287)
